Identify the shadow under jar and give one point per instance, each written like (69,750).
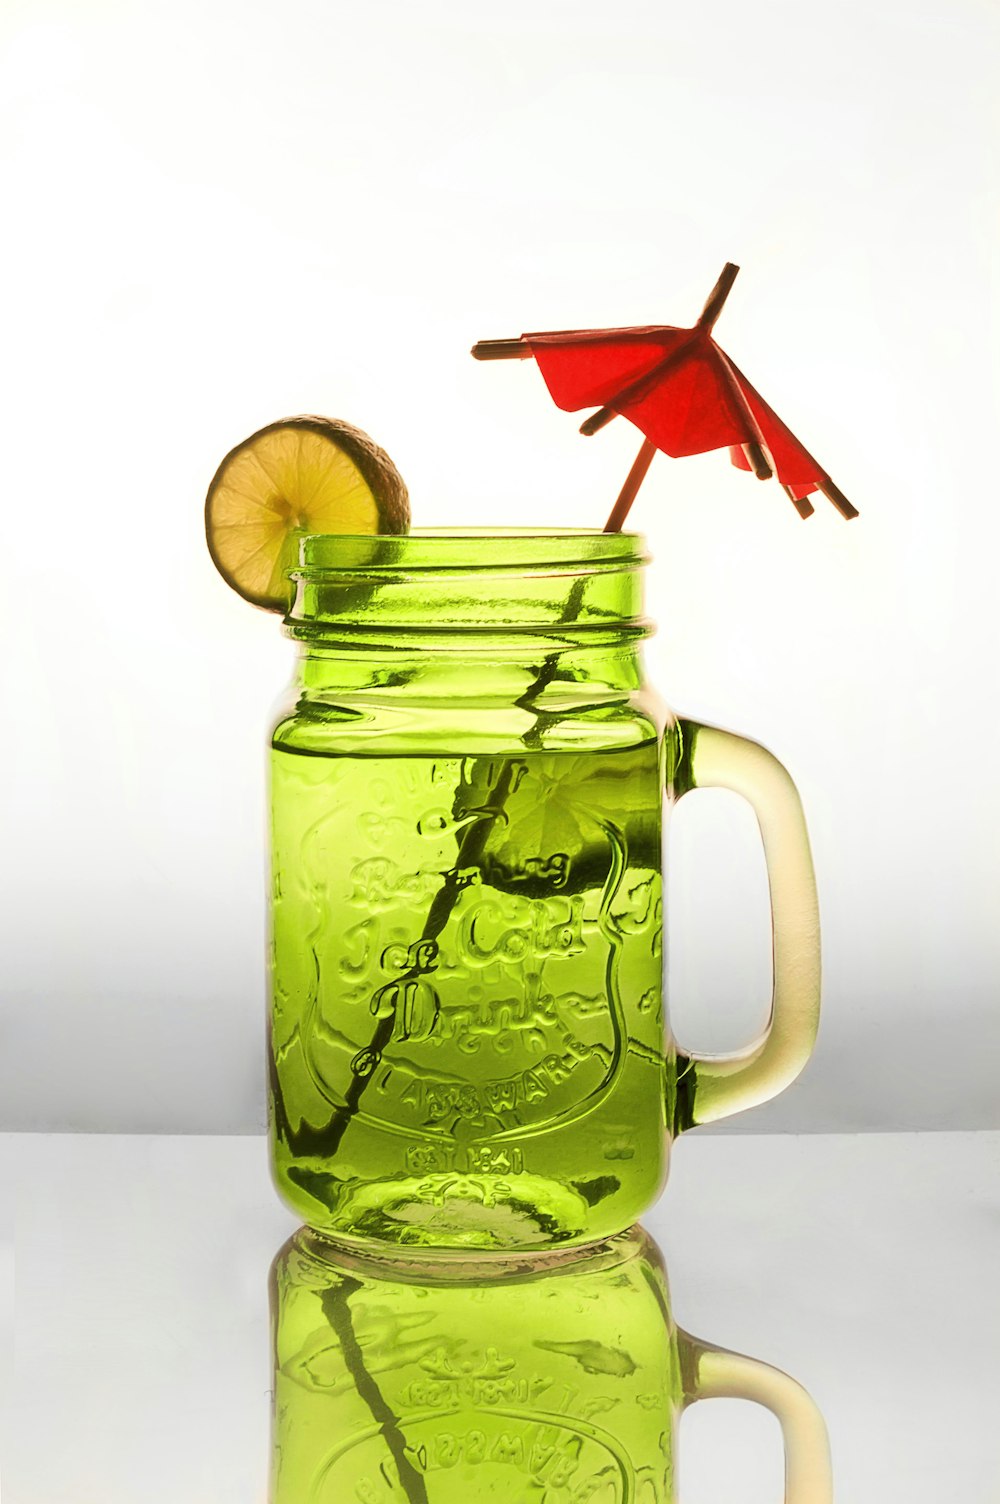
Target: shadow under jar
(468,1046)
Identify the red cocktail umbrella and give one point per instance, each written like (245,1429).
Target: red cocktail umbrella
(680,390)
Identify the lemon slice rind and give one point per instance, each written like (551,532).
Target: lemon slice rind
(300,475)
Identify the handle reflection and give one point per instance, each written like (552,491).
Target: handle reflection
(538,1379)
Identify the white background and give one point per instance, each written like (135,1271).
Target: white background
(218,214)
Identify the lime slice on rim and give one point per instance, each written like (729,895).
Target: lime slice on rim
(299,475)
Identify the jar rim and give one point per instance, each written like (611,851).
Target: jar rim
(476,548)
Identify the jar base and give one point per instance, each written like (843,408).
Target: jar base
(445,1210)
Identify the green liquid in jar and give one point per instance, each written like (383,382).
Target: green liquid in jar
(467,1041)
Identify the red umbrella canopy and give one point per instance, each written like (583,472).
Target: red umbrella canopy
(680,390)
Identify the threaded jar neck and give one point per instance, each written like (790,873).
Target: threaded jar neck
(465,583)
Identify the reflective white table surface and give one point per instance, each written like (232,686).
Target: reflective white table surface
(135,1365)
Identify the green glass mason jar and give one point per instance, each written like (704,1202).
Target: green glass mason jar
(436,1378)
(468,1046)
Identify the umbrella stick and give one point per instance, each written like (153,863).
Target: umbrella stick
(633,481)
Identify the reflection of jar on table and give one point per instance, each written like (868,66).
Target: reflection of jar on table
(441,1378)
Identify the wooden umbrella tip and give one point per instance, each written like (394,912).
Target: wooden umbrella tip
(758,460)
(833,493)
(501,349)
(717,297)
(802,504)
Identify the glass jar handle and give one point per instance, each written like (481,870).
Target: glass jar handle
(710,1087)
(709,1372)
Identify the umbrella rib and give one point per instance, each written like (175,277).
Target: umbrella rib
(754,448)
(802,504)
(635,390)
(826,486)
(835,494)
(520,348)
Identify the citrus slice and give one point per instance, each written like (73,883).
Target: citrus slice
(299,475)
